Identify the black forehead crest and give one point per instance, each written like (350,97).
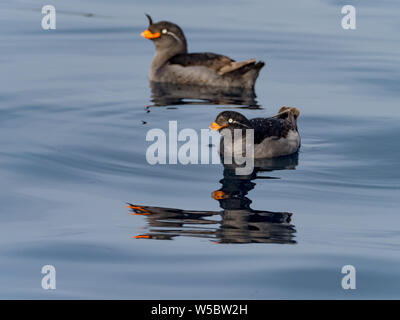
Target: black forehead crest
(230,114)
(150,19)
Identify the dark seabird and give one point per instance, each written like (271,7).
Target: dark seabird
(173,64)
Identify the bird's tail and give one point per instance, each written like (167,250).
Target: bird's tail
(290,113)
(247,71)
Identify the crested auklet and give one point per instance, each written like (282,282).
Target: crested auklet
(173,64)
(273,137)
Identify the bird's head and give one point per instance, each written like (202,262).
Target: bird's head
(165,35)
(230,120)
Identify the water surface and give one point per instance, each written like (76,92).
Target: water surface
(75,107)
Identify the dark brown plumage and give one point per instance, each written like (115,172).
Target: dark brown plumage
(273,137)
(277,126)
(173,64)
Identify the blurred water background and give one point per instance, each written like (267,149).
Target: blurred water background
(73,121)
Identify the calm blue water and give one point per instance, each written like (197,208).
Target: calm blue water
(72,106)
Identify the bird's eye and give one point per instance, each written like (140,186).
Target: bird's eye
(164,31)
(230,120)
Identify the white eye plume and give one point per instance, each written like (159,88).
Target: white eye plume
(230,120)
(165,31)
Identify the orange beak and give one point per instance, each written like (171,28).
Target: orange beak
(143,237)
(150,35)
(219,195)
(139,208)
(216,126)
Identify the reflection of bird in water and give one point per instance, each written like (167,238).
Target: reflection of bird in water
(236,223)
(165,94)
(173,64)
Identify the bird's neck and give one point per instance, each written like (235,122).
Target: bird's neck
(162,56)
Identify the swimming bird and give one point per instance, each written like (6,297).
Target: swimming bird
(173,64)
(273,137)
